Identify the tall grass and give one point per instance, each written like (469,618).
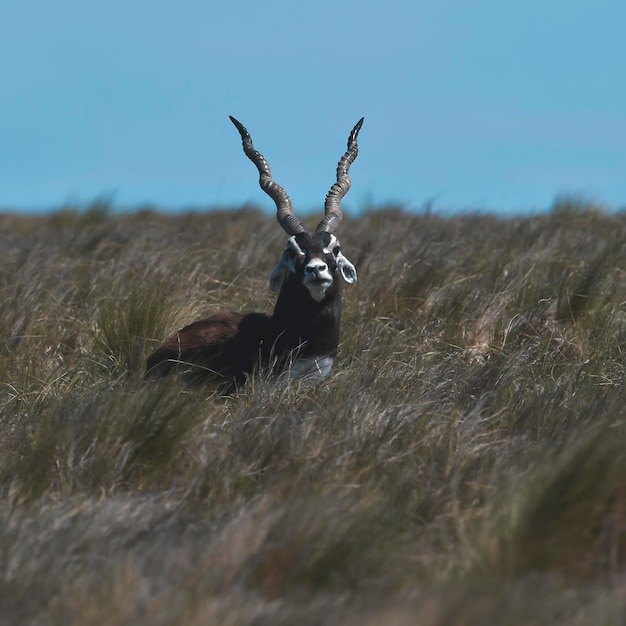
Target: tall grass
(463,464)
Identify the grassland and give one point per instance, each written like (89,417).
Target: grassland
(463,465)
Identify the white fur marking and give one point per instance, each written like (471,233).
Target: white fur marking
(312,369)
(318,289)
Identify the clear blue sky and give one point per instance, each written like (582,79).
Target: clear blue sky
(491,104)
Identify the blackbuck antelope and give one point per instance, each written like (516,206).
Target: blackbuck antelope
(302,334)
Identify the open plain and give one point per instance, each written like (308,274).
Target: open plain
(463,464)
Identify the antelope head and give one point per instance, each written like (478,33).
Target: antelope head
(313,259)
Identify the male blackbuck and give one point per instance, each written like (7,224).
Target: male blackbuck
(302,334)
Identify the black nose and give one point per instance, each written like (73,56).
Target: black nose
(315,267)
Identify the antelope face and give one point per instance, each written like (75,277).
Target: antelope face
(314,259)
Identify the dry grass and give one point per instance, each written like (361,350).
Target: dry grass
(464,464)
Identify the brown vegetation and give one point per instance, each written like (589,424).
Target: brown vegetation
(463,464)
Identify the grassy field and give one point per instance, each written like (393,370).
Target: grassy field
(463,465)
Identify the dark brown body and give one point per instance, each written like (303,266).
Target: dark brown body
(229,346)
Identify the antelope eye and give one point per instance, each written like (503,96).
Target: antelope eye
(336,250)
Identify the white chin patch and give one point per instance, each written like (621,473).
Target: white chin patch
(318,289)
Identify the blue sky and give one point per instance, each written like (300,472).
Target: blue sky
(486,104)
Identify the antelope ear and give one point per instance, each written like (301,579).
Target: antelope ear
(285,265)
(280,272)
(348,271)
